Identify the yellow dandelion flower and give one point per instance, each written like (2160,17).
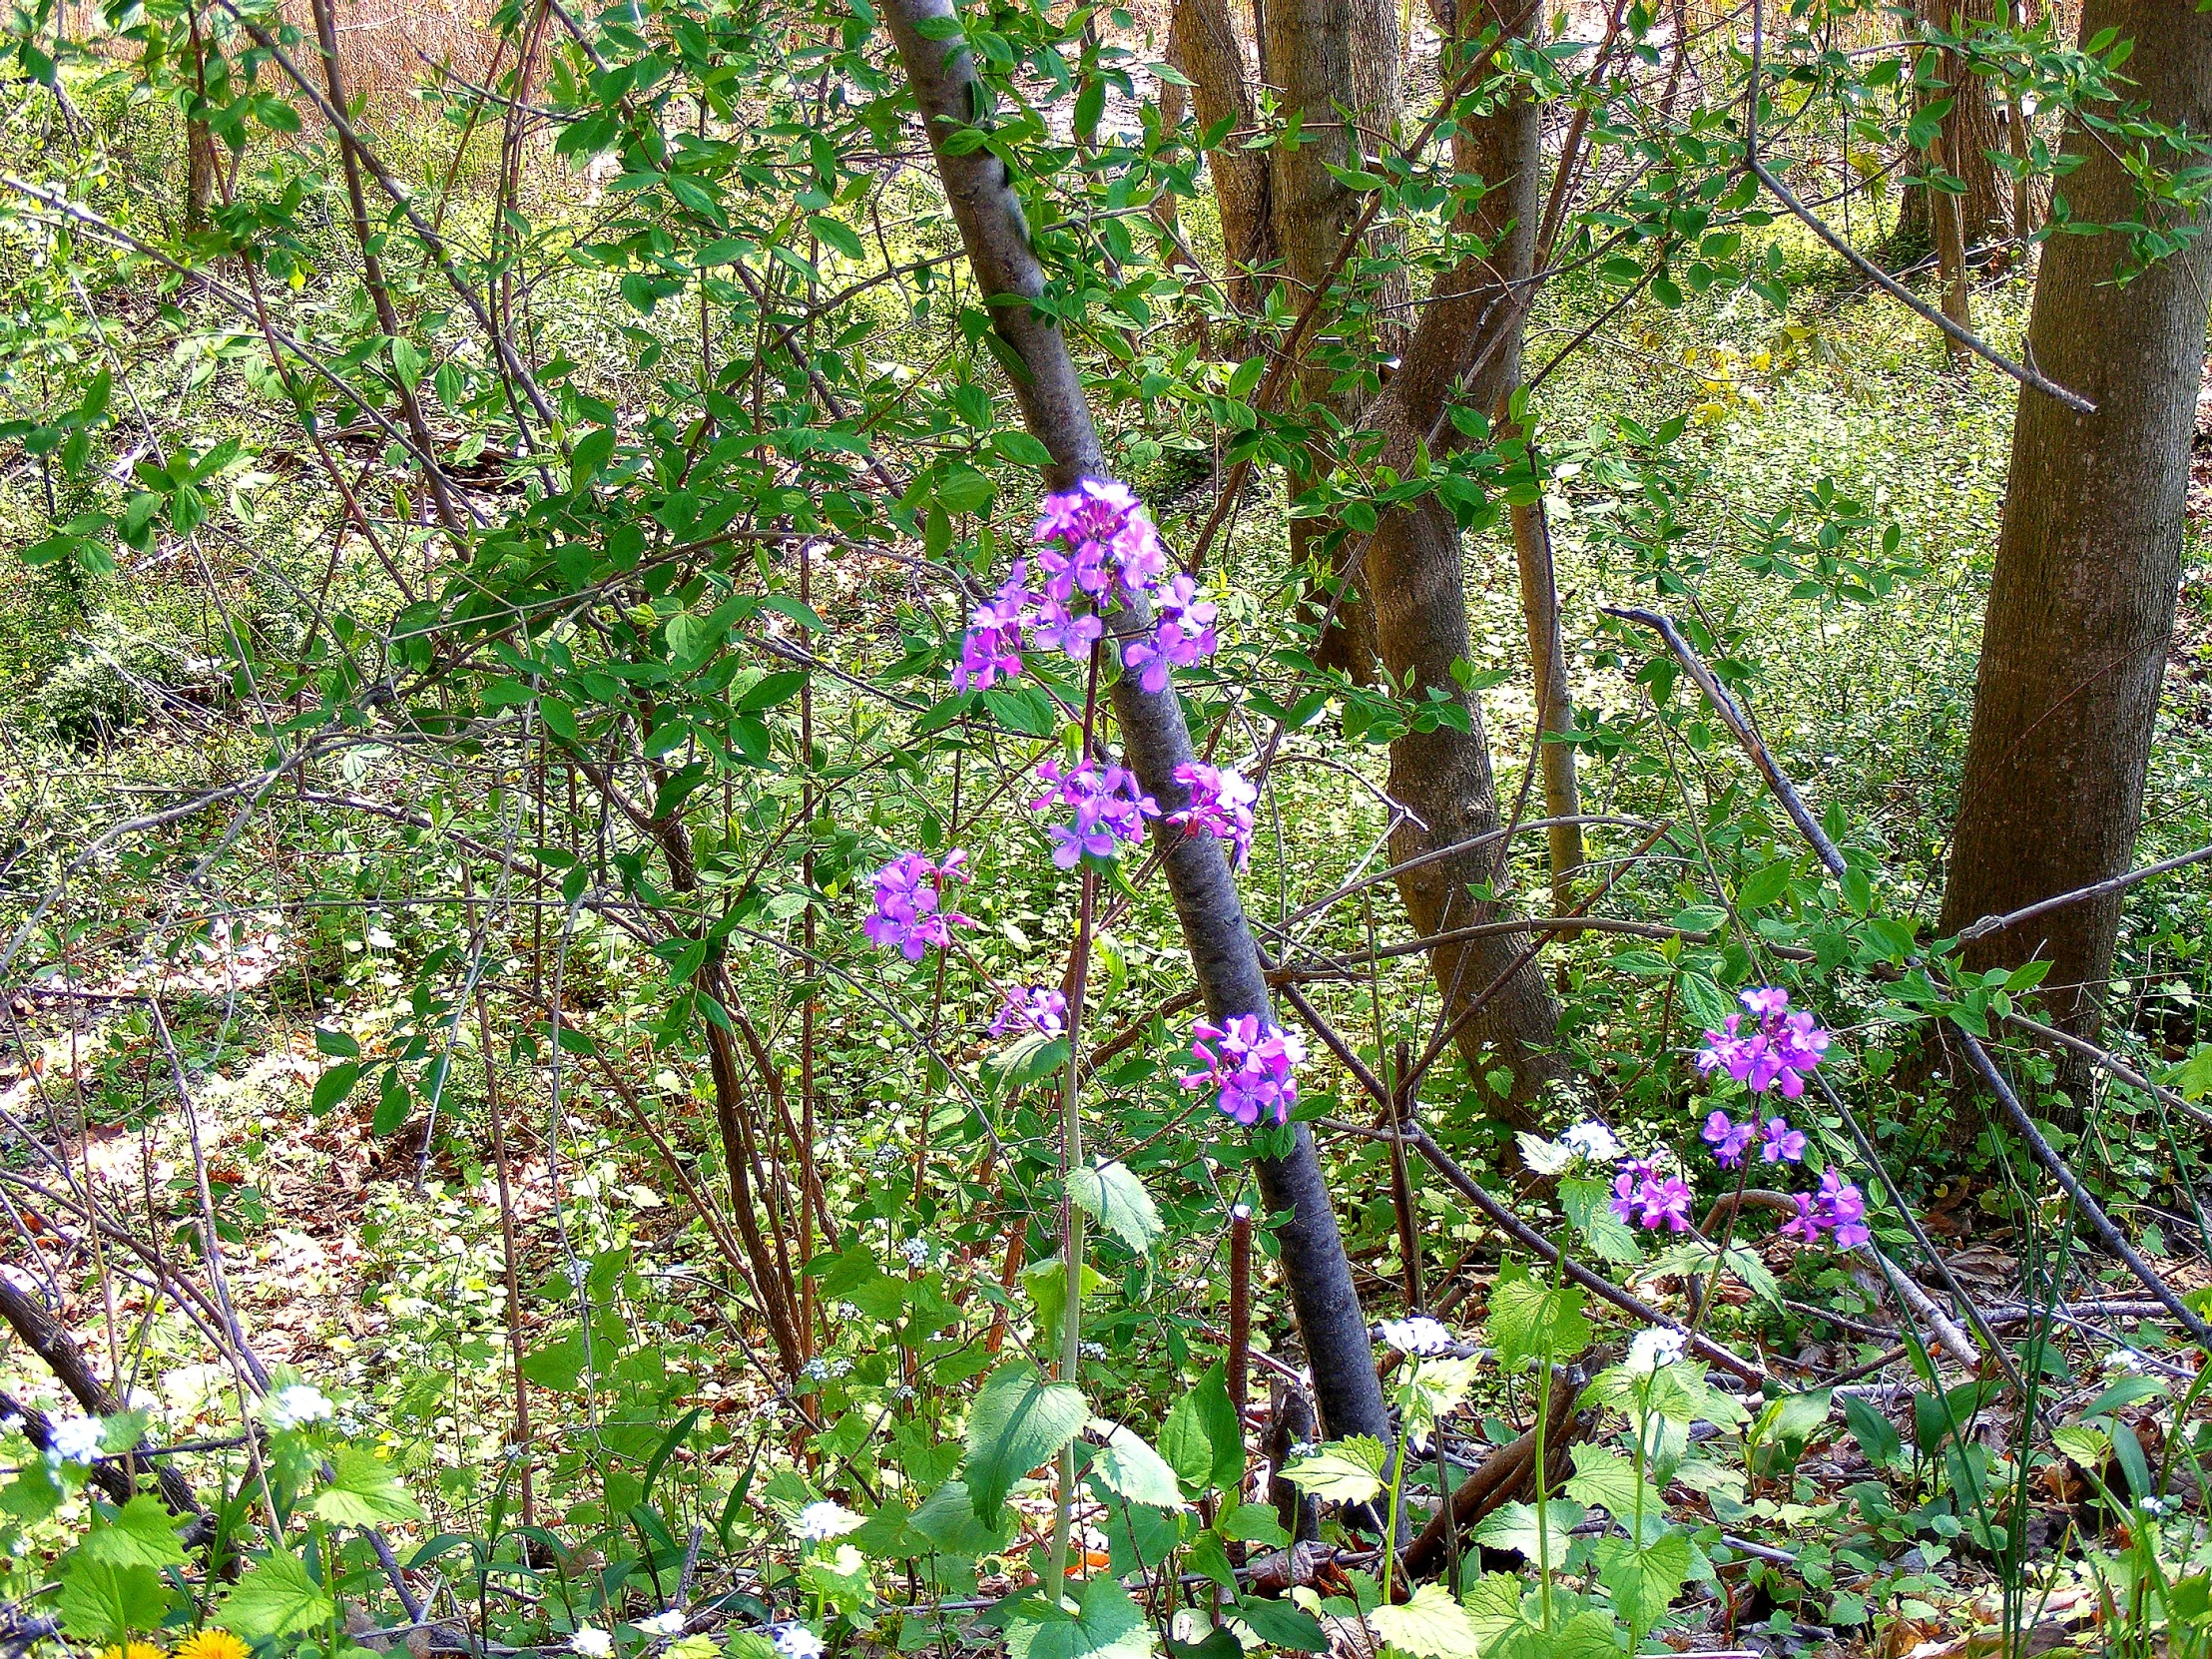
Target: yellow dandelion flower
(135,1650)
(211,1644)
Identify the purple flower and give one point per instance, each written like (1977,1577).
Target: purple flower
(1780,1143)
(990,651)
(1221,805)
(1109,809)
(1038,1007)
(1838,1208)
(1182,635)
(907,895)
(1053,627)
(1102,531)
(1728,1139)
(1778,1051)
(1642,1196)
(1249,1064)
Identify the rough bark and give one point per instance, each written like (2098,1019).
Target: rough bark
(1547,673)
(1327,58)
(1224,957)
(2081,604)
(1466,350)
(1969,133)
(1201,43)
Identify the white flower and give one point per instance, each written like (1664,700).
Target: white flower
(670,1623)
(818,1521)
(796,1641)
(75,1440)
(592,1644)
(2157,1506)
(2125,1358)
(1418,1335)
(1594,1141)
(1654,1349)
(917,1251)
(299,1404)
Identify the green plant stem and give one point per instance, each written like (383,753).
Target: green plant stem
(1536,1469)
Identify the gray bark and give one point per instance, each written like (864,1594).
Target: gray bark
(2081,603)
(1155,739)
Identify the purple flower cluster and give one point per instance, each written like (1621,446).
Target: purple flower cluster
(1247,1063)
(1777,1050)
(908,892)
(1221,805)
(1038,1007)
(1096,546)
(1730,1140)
(1837,1208)
(1182,635)
(1110,807)
(1642,1196)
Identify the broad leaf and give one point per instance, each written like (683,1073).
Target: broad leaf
(1280,1624)
(102,1602)
(1343,1471)
(1018,1421)
(274,1598)
(1112,1196)
(1513,1526)
(1431,1625)
(1105,1625)
(143,1535)
(1530,1319)
(363,1491)
(1604,1479)
(1202,1439)
(1645,1580)
(1128,1465)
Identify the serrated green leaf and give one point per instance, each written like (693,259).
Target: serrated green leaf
(143,1535)
(1431,1625)
(1604,1479)
(1112,1196)
(1342,1471)
(1531,1319)
(1018,1421)
(1513,1526)
(1105,1625)
(363,1491)
(274,1598)
(102,1602)
(1128,1465)
(1280,1624)
(1644,1580)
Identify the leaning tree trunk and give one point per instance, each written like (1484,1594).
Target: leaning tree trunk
(1547,673)
(1466,350)
(1326,57)
(1224,957)
(2081,606)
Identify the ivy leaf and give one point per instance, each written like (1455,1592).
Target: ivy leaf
(1112,1196)
(1018,1421)
(143,1535)
(363,1491)
(1430,1626)
(274,1598)
(1202,1439)
(1128,1465)
(1343,1471)
(102,1602)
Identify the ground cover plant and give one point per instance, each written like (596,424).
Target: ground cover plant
(933,827)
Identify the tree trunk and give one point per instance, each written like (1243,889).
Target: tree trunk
(199,174)
(1224,958)
(1466,350)
(1547,673)
(1969,132)
(1326,57)
(1201,43)
(2081,604)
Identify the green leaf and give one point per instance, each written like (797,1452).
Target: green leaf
(1762,886)
(1253,1523)
(1018,1421)
(1279,1624)
(363,1491)
(1513,1526)
(1589,1206)
(1202,1439)
(1876,1434)
(1530,1319)
(143,1535)
(836,234)
(1128,1465)
(2193,1077)
(1343,1471)
(947,1519)
(1603,1478)
(1020,446)
(102,1602)
(1430,1626)
(1106,1624)
(1112,1196)
(333,1087)
(274,1598)
(1644,1580)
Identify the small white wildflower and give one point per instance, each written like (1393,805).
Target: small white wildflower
(1418,1335)
(1094,1351)
(796,1641)
(902,1390)
(670,1623)
(817,1368)
(10,1424)
(2157,1506)
(75,1440)
(2125,1358)
(300,1403)
(592,1644)
(917,1252)
(1653,1349)
(824,1520)
(1594,1141)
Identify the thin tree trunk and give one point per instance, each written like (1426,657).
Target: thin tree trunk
(1466,350)
(1201,43)
(1226,961)
(1326,57)
(1951,256)
(1969,133)
(2081,605)
(1547,672)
